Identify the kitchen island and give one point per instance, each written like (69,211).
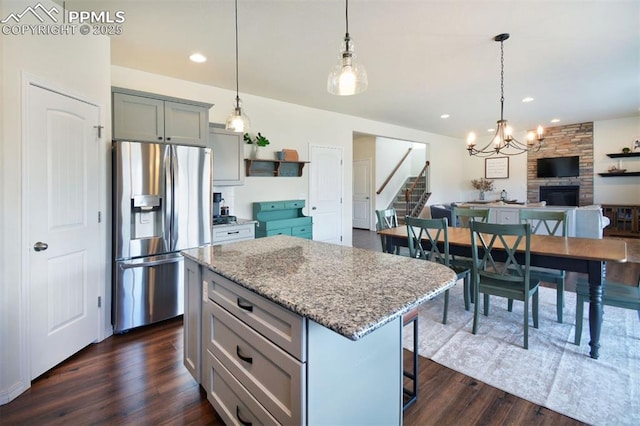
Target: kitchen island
(293,331)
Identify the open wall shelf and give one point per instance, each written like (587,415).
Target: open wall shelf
(257,167)
(622,154)
(620,174)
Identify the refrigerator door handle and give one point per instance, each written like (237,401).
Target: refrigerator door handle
(168,210)
(175,184)
(146,264)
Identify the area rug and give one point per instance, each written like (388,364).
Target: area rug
(553,372)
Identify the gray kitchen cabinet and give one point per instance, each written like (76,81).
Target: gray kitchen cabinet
(147,117)
(192,334)
(233,232)
(228,152)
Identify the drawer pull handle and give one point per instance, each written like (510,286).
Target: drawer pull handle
(233,232)
(244,422)
(244,306)
(244,358)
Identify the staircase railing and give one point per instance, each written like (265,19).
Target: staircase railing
(393,172)
(414,209)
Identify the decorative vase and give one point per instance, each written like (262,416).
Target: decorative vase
(481,197)
(254,152)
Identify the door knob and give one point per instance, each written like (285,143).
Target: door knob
(313,208)
(40,246)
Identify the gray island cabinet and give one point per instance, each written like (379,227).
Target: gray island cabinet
(285,330)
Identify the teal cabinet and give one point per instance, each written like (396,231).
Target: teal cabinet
(282,218)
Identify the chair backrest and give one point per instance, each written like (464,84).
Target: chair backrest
(464,215)
(545,222)
(423,235)
(386,219)
(489,238)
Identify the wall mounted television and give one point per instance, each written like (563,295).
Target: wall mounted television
(559,167)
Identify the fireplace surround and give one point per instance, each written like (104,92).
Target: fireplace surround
(560,195)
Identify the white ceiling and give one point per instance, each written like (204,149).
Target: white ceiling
(579,59)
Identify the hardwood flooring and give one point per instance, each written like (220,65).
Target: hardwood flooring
(138,378)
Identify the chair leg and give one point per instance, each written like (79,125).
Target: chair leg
(560,299)
(446,307)
(535,308)
(526,323)
(467,292)
(510,305)
(486,305)
(476,313)
(579,318)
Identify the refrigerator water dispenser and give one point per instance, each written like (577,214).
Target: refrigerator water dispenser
(146,217)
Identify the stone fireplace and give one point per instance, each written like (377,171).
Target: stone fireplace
(560,195)
(564,141)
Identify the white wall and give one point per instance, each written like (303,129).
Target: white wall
(610,137)
(79,64)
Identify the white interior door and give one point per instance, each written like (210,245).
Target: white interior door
(362,194)
(325,193)
(63,229)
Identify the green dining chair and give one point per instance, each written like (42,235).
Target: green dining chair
(422,238)
(386,219)
(613,294)
(548,223)
(508,277)
(464,215)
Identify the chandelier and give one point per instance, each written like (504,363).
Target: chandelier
(347,77)
(237,121)
(503,142)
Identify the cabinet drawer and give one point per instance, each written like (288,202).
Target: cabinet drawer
(233,233)
(231,400)
(298,231)
(282,231)
(507,217)
(297,204)
(282,327)
(286,223)
(278,205)
(272,376)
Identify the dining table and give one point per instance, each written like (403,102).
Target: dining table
(584,255)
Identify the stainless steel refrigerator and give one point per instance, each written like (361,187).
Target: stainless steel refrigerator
(161,205)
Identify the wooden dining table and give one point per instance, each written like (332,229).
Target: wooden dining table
(584,255)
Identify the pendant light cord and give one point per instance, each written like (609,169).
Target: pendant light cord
(347,39)
(237,86)
(501,80)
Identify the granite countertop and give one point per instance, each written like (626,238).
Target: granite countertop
(348,290)
(239,221)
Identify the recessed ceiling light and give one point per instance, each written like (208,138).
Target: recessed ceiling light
(198,57)
(555,120)
(527,99)
(445,116)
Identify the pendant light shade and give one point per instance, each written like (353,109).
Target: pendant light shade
(237,121)
(347,77)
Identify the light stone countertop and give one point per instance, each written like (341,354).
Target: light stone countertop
(239,221)
(348,290)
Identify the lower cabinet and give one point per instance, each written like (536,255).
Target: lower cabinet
(264,364)
(231,233)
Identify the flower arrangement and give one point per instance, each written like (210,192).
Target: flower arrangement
(258,140)
(482,184)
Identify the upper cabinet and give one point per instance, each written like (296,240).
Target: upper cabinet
(147,117)
(228,151)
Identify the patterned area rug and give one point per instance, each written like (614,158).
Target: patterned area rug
(553,372)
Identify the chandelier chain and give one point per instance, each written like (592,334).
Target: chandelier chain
(502,80)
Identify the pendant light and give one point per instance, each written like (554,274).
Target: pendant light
(347,77)
(237,121)
(503,142)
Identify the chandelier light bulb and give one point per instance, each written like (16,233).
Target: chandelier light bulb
(471,139)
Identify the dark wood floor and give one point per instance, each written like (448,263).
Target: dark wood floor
(138,378)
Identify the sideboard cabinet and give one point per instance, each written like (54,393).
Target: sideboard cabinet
(625,220)
(282,218)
